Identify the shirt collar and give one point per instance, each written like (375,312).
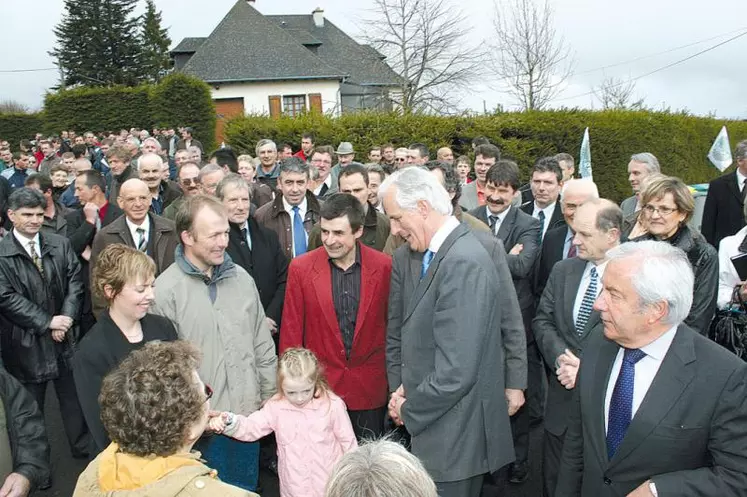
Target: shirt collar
(357,257)
(133,227)
(740,179)
(443,232)
(500,216)
(549,210)
(289,208)
(24,241)
(600,269)
(659,347)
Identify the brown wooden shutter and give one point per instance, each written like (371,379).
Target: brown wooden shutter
(315,102)
(275,108)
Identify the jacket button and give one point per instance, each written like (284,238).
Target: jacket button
(200,484)
(607,481)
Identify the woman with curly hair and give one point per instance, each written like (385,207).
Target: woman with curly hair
(124,277)
(155,407)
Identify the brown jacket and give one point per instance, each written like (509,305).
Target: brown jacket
(273,216)
(162,242)
(187,481)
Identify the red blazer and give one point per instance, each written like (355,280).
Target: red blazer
(309,320)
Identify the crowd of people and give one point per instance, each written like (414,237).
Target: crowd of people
(202,314)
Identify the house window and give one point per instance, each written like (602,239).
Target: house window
(294,105)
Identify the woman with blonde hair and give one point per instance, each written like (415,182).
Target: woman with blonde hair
(260,194)
(124,277)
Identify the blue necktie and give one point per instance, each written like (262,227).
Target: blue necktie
(427,258)
(587,303)
(299,234)
(621,403)
(541,217)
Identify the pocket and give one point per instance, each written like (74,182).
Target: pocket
(681,432)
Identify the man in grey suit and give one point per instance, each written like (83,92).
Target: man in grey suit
(520,235)
(473,194)
(640,166)
(565,320)
(445,361)
(658,410)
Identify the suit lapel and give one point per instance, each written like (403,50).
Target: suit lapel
(572,284)
(322,277)
(504,230)
(369,291)
(733,188)
(673,377)
(599,374)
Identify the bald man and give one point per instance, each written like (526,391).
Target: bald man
(444,154)
(557,244)
(137,228)
(162,192)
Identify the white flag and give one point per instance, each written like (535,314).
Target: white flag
(720,153)
(584,162)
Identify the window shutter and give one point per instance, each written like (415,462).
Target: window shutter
(315,102)
(275,109)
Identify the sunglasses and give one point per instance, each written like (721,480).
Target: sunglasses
(400,159)
(190,181)
(208,392)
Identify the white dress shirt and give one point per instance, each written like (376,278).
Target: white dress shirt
(302,207)
(245,226)
(500,217)
(133,229)
(327,181)
(645,371)
(25,243)
(549,211)
(740,180)
(443,232)
(568,242)
(585,280)
(728,277)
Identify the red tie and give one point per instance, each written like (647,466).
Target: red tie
(572,251)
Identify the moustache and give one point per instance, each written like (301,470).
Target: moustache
(497,201)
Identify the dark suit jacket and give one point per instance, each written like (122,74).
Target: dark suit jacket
(310,320)
(266,263)
(557,218)
(722,212)
(162,243)
(551,252)
(519,227)
(555,331)
(688,435)
(443,348)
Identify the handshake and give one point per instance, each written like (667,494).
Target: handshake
(395,405)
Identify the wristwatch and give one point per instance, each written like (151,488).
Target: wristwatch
(652,487)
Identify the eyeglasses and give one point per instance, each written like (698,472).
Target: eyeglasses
(400,159)
(208,392)
(190,181)
(663,211)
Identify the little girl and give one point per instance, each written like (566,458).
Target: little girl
(310,422)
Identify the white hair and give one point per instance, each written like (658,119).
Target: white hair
(414,184)
(583,185)
(151,139)
(652,163)
(662,272)
(380,469)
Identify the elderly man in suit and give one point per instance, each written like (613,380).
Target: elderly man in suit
(722,213)
(558,243)
(658,409)
(641,166)
(546,182)
(335,306)
(444,358)
(520,234)
(565,320)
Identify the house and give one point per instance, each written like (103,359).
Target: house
(258,64)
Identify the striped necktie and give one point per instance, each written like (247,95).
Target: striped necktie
(541,217)
(35,257)
(142,243)
(586,303)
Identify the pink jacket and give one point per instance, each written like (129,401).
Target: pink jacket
(311,439)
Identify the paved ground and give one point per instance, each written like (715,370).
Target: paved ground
(66,469)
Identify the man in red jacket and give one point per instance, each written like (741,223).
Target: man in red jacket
(336,306)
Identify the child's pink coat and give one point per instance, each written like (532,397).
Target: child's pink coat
(311,439)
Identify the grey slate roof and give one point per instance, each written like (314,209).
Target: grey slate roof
(360,62)
(189,45)
(246,47)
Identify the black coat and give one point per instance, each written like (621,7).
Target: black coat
(557,218)
(704,261)
(26,430)
(551,252)
(100,351)
(28,301)
(722,212)
(266,263)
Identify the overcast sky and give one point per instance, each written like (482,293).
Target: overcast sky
(600,33)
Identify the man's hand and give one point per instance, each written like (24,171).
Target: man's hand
(61,323)
(643,490)
(567,370)
(91,212)
(395,404)
(86,255)
(58,336)
(515,399)
(516,249)
(15,485)
(272,324)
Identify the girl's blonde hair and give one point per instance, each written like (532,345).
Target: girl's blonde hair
(302,363)
(118,265)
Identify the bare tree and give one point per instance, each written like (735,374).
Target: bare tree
(426,43)
(13,107)
(615,93)
(528,55)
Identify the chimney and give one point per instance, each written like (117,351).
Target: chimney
(318,16)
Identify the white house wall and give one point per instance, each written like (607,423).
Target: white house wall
(256,95)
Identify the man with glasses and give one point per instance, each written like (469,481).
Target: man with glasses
(400,157)
(147,232)
(322,159)
(189,181)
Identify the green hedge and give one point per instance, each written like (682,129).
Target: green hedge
(680,141)
(16,127)
(181,100)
